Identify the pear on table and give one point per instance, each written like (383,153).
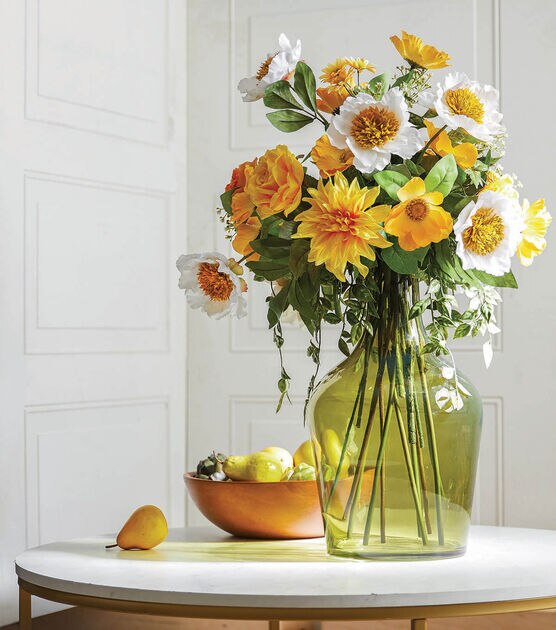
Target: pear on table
(144,529)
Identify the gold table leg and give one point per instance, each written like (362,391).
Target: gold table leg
(24,610)
(418,624)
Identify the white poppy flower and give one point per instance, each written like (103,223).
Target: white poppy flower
(374,130)
(462,103)
(277,66)
(488,232)
(210,284)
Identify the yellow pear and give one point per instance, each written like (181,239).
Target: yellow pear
(144,529)
(256,467)
(282,454)
(304,454)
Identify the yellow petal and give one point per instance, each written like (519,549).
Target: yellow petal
(379,213)
(415,187)
(435,197)
(465,155)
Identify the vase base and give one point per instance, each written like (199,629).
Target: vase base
(402,551)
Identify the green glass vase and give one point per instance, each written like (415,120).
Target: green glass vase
(396,434)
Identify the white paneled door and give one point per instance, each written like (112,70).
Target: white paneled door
(233,367)
(92,327)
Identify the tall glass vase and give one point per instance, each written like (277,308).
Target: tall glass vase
(396,435)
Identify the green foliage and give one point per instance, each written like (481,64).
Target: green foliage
(402,261)
(289,120)
(226,200)
(507,280)
(279,96)
(442,175)
(378,86)
(305,85)
(391,181)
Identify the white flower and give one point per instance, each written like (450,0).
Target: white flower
(374,130)
(462,103)
(488,232)
(277,66)
(210,284)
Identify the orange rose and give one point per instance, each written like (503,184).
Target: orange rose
(237,181)
(329,159)
(274,183)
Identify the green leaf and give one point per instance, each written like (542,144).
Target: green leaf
(270,269)
(279,96)
(404,78)
(419,307)
(414,169)
(271,247)
(442,175)
(301,296)
(378,86)
(507,280)
(391,182)
(298,257)
(277,226)
(287,120)
(462,331)
(277,304)
(226,199)
(344,348)
(401,261)
(305,85)
(401,168)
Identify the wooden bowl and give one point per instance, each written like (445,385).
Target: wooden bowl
(255,509)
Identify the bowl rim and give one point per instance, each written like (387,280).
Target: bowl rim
(191,476)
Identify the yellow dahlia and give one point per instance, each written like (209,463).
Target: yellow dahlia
(338,72)
(329,159)
(331,98)
(418,220)
(537,219)
(465,154)
(342,225)
(274,184)
(412,49)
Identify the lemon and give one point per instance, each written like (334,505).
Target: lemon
(332,450)
(282,454)
(304,454)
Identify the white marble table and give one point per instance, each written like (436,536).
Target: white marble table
(203,572)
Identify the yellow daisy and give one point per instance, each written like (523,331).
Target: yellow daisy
(536,219)
(338,73)
(359,64)
(342,225)
(418,220)
(413,50)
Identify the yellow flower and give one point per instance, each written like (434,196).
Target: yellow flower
(359,64)
(242,207)
(342,225)
(329,159)
(338,72)
(503,184)
(418,220)
(465,153)
(274,184)
(331,98)
(536,219)
(247,232)
(412,49)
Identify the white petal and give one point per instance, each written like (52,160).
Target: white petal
(487,353)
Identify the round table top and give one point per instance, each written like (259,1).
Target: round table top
(203,566)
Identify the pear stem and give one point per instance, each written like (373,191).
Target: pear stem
(111,546)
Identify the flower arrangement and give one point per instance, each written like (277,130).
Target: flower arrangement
(399,211)
(408,182)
